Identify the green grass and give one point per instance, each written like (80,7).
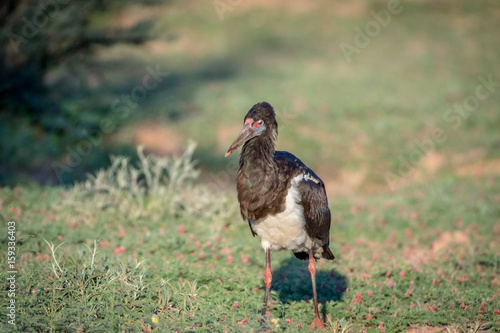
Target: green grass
(126,253)
(113,254)
(336,115)
(345,116)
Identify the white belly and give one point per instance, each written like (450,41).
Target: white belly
(285,231)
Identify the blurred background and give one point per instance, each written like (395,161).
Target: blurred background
(370,94)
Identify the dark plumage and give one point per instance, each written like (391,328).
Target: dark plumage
(283,201)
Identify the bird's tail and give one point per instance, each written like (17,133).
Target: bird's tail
(327,253)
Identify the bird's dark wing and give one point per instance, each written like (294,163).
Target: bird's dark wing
(316,212)
(314,200)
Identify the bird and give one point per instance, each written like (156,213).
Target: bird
(283,201)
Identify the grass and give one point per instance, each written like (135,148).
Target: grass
(339,116)
(112,255)
(370,111)
(158,244)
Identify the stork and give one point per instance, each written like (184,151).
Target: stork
(283,201)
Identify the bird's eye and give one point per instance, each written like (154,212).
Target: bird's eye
(258,123)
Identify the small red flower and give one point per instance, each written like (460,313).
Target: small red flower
(289,321)
(483,309)
(59,238)
(242,322)
(119,250)
(197,244)
(235,305)
(370,293)
(431,308)
(245,259)
(402,274)
(182,229)
(381,327)
(104,244)
(435,282)
(497,312)
(408,234)
(369,316)
(358,298)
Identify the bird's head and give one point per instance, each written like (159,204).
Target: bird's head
(260,121)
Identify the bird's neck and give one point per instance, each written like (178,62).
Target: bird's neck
(258,152)
(257,176)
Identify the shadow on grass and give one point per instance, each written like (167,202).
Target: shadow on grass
(169,101)
(292,281)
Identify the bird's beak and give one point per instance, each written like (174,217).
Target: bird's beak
(246,134)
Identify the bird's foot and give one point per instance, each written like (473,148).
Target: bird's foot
(317,324)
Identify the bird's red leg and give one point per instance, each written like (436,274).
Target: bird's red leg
(317,323)
(267,280)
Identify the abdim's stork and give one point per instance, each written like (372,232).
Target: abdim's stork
(283,200)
